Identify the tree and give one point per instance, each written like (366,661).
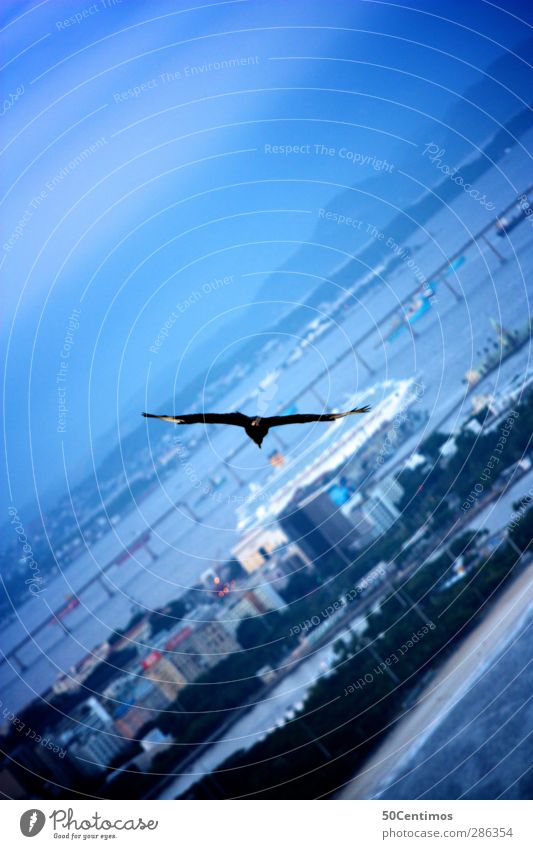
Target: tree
(255,631)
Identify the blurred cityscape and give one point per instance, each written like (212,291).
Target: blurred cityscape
(192,618)
(336,561)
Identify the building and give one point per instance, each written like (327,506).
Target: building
(152,744)
(230,616)
(208,578)
(257,546)
(290,560)
(155,740)
(164,674)
(180,657)
(381,508)
(381,513)
(388,489)
(141,702)
(133,700)
(317,525)
(90,737)
(264,598)
(186,663)
(249,601)
(130,722)
(364,529)
(212,642)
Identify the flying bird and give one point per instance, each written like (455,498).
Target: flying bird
(256,427)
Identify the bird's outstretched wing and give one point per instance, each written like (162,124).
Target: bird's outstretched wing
(276,421)
(203,418)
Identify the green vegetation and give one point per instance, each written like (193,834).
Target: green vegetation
(479,460)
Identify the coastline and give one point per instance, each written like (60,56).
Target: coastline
(479,649)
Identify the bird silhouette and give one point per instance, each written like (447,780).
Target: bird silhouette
(256,427)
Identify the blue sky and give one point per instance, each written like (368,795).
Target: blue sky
(135,174)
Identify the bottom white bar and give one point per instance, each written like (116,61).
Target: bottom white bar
(263,824)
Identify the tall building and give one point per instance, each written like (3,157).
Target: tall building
(365,530)
(389,490)
(317,525)
(381,508)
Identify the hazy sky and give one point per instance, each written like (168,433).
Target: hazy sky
(134,175)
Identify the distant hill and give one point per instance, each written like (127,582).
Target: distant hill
(470,123)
